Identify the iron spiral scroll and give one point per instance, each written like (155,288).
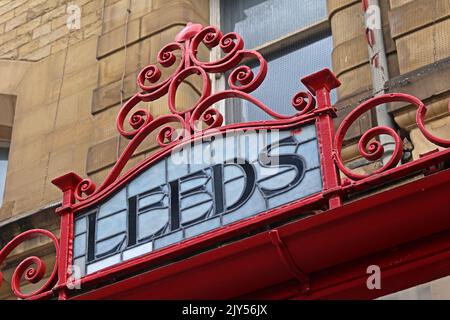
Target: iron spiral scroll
(33,268)
(371,149)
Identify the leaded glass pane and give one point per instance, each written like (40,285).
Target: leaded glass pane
(169,239)
(79,266)
(138,251)
(202,227)
(232,171)
(234,189)
(283,168)
(104,263)
(282,179)
(153,221)
(153,199)
(80,225)
(149,179)
(111,225)
(194,183)
(116,203)
(79,245)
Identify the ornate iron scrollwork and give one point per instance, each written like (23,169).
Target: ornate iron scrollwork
(202,116)
(372,149)
(32,269)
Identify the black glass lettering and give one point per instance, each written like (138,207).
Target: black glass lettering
(282,160)
(250,180)
(132,215)
(218,189)
(91,237)
(174,205)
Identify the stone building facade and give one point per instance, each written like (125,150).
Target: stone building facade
(61,89)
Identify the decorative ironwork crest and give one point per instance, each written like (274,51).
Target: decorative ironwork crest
(202,116)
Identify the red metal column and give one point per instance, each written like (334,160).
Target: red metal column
(67,183)
(320,84)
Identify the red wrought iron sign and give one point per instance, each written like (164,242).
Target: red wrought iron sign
(248,176)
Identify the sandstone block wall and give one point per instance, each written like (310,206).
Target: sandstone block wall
(60,94)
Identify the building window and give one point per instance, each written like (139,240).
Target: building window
(294,37)
(3,166)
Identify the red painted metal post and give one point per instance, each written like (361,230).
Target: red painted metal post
(68,184)
(320,84)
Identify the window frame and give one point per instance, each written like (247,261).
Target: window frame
(308,34)
(4,144)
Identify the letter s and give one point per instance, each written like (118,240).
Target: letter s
(267,160)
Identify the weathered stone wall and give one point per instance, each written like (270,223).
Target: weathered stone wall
(67,102)
(350,54)
(421,31)
(350,60)
(61,91)
(34,29)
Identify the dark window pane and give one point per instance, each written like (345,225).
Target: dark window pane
(260,21)
(3,167)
